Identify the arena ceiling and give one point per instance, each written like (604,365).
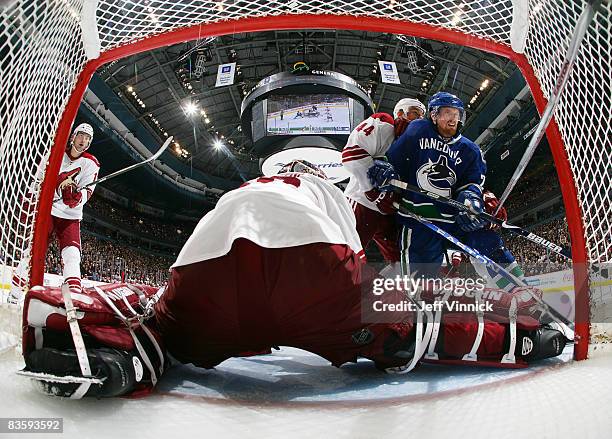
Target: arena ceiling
(167,79)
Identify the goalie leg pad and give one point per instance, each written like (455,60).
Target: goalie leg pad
(114,327)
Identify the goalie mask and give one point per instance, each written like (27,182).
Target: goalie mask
(303,166)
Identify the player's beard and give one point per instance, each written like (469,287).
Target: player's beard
(447,132)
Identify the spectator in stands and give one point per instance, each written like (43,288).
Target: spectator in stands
(534,258)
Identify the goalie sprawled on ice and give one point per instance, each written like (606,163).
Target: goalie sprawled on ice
(277,262)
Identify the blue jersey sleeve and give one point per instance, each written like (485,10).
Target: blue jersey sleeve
(474,170)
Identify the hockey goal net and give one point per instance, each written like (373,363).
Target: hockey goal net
(49,50)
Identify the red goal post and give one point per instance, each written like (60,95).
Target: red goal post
(45,73)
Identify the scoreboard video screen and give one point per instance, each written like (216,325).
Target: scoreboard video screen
(308,114)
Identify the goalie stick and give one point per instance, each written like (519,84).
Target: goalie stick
(554,314)
(128,169)
(562,251)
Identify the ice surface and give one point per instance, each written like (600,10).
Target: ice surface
(293,394)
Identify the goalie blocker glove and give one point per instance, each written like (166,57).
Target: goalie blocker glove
(470,198)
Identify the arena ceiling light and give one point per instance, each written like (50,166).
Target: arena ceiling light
(190,108)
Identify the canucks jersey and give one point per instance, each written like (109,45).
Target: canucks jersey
(423,159)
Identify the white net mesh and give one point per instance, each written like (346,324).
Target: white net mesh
(42,54)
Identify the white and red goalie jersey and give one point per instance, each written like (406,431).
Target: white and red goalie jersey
(281,211)
(82,171)
(369,140)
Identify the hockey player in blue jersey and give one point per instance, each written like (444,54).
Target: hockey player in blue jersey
(433,155)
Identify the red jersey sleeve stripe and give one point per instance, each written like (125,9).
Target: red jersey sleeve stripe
(351,148)
(350,159)
(354,152)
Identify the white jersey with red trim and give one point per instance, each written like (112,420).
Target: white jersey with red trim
(369,140)
(83,171)
(281,211)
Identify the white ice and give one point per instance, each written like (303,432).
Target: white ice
(560,400)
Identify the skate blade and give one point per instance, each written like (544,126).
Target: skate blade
(58,379)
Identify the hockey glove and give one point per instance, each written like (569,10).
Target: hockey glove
(383,200)
(67,178)
(71,196)
(470,222)
(380,173)
(490,206)
(457,258)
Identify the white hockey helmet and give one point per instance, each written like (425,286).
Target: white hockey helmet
(405,103)
(84,128)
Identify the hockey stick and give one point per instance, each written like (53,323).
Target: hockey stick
(563,251)
(554,314)
(128,169)
(572,52)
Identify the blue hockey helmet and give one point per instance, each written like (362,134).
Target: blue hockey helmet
(445,99)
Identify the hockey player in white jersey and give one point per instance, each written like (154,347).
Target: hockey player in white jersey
(374,209)
(78,169)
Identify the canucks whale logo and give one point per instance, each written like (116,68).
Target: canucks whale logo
(437,177)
